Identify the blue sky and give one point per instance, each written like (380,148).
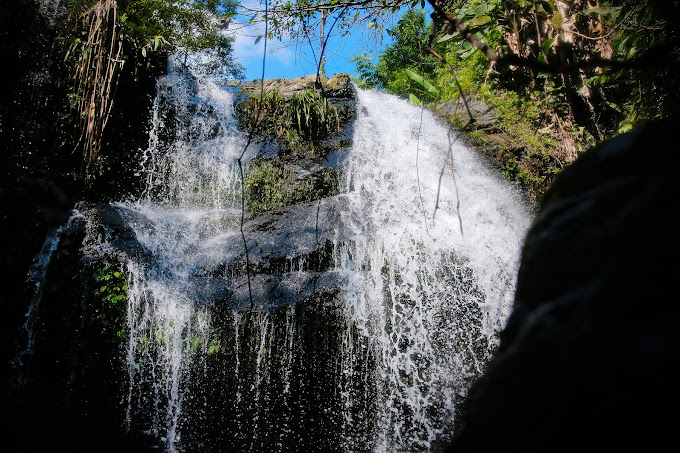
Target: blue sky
(286,60)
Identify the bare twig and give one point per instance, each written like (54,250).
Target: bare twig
(449,161)
(455,79)
(251,134)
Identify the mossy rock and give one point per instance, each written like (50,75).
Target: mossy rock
(300,123)
(340,85)
(320,184)
(267,184)
(303,119)
(273,183)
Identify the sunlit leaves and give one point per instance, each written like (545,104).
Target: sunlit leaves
(479,20)
(557,20)
(189,24)
(427,86)
(310,22)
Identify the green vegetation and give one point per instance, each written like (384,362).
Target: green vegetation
(300,121)
(272,183)
(401,60)
(109,287)
(521,144)
(512,140)
(265,182)
(307,124)
(151,26)
(560,75)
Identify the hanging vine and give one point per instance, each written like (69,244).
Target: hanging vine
(96,74)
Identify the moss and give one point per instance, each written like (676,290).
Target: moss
(266,183)
(338,84)
(302,125)
(272,183)
(515,143)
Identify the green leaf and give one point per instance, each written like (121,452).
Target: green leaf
(446,37)
(557,21)
(469,52)
(258,39)
(547,44)
(477,11)
(421,81)
(614,106)
(480,20)
(413,100)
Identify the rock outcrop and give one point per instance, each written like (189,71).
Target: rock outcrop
(587,357)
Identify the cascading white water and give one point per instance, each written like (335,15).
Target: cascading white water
(424,290)
(191,197)
(430,277)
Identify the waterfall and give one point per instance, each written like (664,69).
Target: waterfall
(431,274)
(36,279)
(378,354)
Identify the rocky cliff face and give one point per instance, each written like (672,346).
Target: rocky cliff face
(587,357)
(293,195)
(292,188)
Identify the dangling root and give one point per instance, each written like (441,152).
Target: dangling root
(97,71)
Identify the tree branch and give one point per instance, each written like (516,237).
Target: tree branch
(455,79)
(452,24)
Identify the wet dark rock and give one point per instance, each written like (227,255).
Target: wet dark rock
(40,133)
(295,231)
(64,388)
(270,292)
(587,356)
(274,183)
(113,227)
(290,252)
(30,210)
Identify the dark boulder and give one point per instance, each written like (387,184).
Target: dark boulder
(587,357)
